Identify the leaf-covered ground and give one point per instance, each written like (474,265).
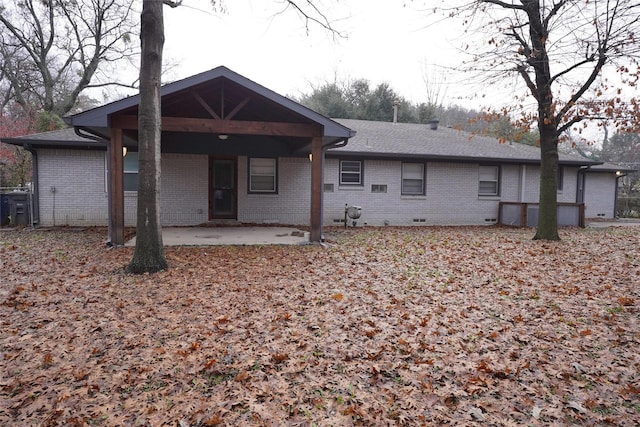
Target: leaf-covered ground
(415,326)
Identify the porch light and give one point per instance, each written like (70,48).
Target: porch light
(618,173)
(124,151)
(223,136)
(310,157)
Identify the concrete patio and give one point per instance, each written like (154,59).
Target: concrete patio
(207,236)
(264,235)
(618,222)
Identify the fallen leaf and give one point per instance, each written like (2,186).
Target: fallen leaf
(535,412)
(242,376)
(577,406)
(476,413)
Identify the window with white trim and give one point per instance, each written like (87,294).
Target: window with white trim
(413,179)
(489,180)
(262,175)
(351,172)
(130,168)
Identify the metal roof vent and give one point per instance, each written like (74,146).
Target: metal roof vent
(396,104)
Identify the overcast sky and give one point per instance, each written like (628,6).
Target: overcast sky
(385,41)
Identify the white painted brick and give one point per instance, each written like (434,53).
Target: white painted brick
(80,196)
(292,203)
(451,192)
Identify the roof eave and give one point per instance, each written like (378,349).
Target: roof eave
(452,158)
(72,145)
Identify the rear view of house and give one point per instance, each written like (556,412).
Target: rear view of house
(233,150)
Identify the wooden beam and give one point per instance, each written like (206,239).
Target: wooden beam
(317,167)
(238,108)
(205,106)
(117,188)
(184,124)
(222,101)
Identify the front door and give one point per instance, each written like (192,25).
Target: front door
(222,188)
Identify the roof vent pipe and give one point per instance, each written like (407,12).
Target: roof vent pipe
(396,103)
(433,124)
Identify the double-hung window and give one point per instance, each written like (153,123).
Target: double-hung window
(130,167)
(413,179)
(489,180)
(263,175)
(351,172)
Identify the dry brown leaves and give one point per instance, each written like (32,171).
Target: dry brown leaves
(416,326)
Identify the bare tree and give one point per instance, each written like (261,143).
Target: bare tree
(563,51)
(435,88)
(50,51)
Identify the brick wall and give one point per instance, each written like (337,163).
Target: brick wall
(569,191)
(451,197)
(291,205)
(531,173)
(72,189)
(185,189)
(80,196)
(184,197)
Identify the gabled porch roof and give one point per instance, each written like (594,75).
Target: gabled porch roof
(219,101)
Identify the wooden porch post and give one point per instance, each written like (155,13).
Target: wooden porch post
(317,168)
(117,188)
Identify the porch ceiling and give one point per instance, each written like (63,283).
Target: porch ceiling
(234,145)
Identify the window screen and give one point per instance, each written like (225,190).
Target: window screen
(413,178)
(262,175)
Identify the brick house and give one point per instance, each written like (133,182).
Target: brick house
(414,174)
(234,150)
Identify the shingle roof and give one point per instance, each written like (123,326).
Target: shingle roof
(410,140)
(383,140)
(613,167)
(63,138)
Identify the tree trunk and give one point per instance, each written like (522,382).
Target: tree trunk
(548,208)
(149,256)
(547,124)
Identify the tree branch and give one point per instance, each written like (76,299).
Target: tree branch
(116,84)
(576,119)
(526,49)
(322,21)
(553,12)
(171,3)
(583,89)
(504,4)
(573,67)
(527,79)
